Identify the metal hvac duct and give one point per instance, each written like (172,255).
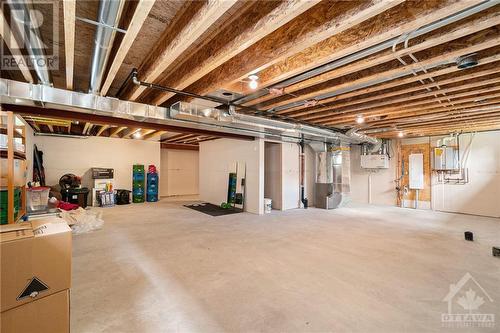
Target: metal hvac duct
(107,19)
(21,93)
(21,19)
(360,137)
(269,127)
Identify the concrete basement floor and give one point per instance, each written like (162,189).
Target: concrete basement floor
(164,268)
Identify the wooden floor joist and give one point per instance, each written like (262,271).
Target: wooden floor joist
(474,26)
(376,66)
(69,40)
(405,99)
(393,23)
(449,57)
(141,13)
(434,103)
(13,45)
(321,22)
(102,129)
(195,69)
(433,85)
(154,135)
(456,109)
(204,18)
(435,74)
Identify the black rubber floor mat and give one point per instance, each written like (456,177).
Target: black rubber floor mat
(213,210)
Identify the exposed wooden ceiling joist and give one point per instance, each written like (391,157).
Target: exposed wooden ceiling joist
(317,24)
(435,103)
(179,146)
(204,18)
(442,130)
(435,85)
(222,50)
(448,58)
(395,22)
(468,28)
(102,129)
(129,132)
(406,98)
(154,135)
(435,74)
(13,45)
(140,15)
(69,40)
(434,112)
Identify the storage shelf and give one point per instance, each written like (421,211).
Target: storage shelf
(18,155)
(9,127)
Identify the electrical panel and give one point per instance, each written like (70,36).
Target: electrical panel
(416,171)
(375,161)
(445,158)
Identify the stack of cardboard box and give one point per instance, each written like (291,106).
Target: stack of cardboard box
(35,276)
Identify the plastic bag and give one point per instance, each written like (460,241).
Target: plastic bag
(82,220)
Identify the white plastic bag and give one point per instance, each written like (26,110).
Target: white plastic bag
(82,221)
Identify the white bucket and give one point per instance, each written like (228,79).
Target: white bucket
(268,205)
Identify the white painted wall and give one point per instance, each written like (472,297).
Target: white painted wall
(180,172)
(216,158)
(273,173)
(382,181)
(481,196)
(77,156)
(310,176)
(290,175)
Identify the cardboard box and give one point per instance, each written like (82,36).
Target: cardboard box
(45,315)
(36,261)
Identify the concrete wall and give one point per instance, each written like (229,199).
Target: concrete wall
(382,181)
(77,156)
(216,160)
(481,196)
(180,172)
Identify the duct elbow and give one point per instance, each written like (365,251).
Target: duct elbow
(360,137)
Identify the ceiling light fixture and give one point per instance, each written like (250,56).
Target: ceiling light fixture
(137,135)
(401,134)
(253,84)
(360,119)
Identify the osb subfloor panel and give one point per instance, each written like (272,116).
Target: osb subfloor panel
(165,268)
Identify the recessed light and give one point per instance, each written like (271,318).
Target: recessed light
(401,134)
(360,119)
(137,135)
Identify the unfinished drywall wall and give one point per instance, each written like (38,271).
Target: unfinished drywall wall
(216,160)
(382,189)
(77,156)
(180,172)
(273,173)
(481,196)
